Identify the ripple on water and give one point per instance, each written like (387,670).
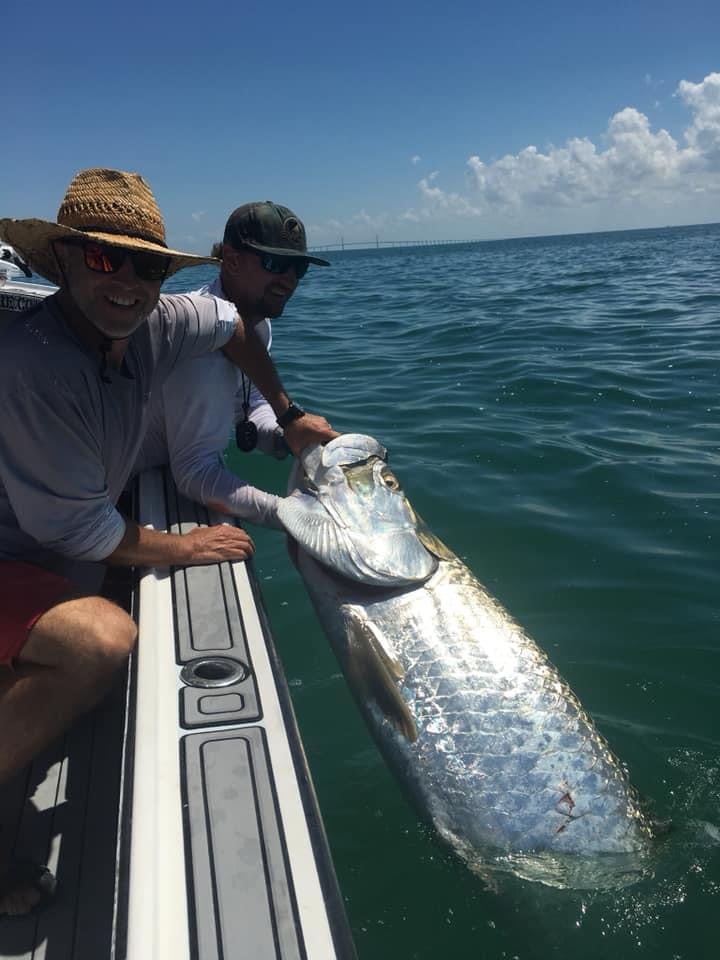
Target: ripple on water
(551,407)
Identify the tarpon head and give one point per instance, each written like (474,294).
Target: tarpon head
(350,513)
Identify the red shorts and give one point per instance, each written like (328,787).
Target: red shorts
(26,593)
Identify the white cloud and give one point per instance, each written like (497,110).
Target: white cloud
(364,219)
(630,176)
(438,199)
(198,215)
(578,172)
(415,160)
(703,135)
(635,162)
(652,82)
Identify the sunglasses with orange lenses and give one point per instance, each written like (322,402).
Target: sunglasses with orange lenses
(102,258)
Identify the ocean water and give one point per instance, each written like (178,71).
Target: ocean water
(551,406)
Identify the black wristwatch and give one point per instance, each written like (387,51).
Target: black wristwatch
(293,412)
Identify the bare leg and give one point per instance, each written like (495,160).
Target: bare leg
(64,669)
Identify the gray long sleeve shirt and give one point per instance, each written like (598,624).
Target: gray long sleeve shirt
(68,440)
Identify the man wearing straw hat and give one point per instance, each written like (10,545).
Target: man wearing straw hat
(76,377)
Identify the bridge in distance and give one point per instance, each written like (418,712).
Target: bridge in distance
(377,244)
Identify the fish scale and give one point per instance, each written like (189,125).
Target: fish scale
(488,741)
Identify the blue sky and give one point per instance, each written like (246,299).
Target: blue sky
(399,120)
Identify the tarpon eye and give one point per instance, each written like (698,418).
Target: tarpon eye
(390,480)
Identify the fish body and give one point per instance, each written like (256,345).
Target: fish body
(489,742)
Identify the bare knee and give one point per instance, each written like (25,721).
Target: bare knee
(112,637)
(105,645)
(89,638)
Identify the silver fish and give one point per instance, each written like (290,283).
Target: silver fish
(489,742)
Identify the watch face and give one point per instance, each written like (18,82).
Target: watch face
(246,435)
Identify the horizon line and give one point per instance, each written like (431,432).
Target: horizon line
(342,246)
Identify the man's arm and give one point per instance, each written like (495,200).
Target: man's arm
(55,481)
(143,547)
(246,351)
(197,409)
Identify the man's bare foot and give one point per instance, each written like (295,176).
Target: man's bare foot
(24,886)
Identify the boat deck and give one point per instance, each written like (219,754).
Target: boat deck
(63,810)
(179,817)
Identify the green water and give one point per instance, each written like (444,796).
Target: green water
(551,408)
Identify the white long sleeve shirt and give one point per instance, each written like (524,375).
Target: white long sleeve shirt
(191,421)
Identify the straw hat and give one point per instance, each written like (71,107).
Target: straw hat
(110,206)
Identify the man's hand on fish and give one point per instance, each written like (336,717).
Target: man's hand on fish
(310,428)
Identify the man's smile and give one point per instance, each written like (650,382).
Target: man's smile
(118,301)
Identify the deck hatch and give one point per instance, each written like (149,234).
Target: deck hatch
(208,627)
(239,880)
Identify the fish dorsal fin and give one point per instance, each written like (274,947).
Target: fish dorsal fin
(374,671)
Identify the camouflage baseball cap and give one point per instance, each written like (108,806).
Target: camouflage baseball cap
(269,228)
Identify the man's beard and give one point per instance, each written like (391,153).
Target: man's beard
(269,307)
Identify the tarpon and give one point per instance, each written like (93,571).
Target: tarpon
(489,742)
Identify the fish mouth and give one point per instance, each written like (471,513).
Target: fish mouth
(347,450)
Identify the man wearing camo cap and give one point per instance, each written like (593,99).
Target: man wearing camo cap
(264,256)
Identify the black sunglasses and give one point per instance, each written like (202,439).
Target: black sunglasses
(102,258)
(274,263)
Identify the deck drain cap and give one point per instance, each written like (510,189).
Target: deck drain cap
(213,672)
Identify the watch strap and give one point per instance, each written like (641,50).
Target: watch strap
(293,412)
